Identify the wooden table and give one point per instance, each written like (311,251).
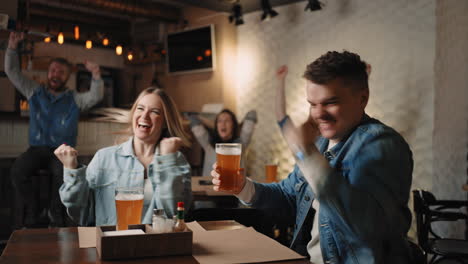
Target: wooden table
(60,245)
(202,190)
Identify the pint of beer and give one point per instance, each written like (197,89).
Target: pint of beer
(128,204)
(228,158)
(271,172)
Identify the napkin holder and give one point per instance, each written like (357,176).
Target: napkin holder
(149,244)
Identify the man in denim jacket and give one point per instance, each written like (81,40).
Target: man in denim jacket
(348,193)
(54,112)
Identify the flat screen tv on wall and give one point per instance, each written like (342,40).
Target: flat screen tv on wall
(191,50)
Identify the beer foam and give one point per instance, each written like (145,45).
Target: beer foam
(228,151)
(128,197)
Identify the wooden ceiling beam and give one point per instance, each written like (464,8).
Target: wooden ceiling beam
(41,24)
(117,8)
(75,16)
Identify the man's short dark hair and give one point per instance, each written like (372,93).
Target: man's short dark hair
(345,65)
(62,61)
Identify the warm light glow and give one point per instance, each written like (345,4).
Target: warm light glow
(163,52)
(118,50)
(247,62)
(207,53)
(199,58)
(89,44)
(47,39)
(105,41)
(60,38)
(77,32)
(130,56)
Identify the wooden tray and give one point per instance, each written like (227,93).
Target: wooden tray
(142,245)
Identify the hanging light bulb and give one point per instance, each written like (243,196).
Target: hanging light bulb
(118,50)
(105,41)
(60,38)
(89,44)
(130,56)
(48,38)
(77,32)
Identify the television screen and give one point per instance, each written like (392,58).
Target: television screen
(191,50)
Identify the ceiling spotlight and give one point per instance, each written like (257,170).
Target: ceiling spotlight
(236,15)
(268,12)
(313,5)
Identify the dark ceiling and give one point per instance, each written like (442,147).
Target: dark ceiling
(117,18)
(126,21)
(226,5)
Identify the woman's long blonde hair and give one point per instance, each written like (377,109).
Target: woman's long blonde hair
(173,124)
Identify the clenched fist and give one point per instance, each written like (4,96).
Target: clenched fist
(67,155)
(282,72)
(15,38)
(94,69)
(170,145)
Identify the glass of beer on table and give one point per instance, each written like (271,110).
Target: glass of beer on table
(228,157)
(128,205)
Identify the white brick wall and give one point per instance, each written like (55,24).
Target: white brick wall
(418,84)
(450,132)
(406,42)
(396,37)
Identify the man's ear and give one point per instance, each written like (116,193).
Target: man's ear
(364,98)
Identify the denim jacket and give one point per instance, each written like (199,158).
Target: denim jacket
(53,118)
(363,215)
(88,193)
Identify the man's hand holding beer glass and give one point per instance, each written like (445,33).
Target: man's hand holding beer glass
(227,174)
(217,180)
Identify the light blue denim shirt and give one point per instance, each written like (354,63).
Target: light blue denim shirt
(88,193)
(363,215)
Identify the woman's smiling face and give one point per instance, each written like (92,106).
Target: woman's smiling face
(148,118)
